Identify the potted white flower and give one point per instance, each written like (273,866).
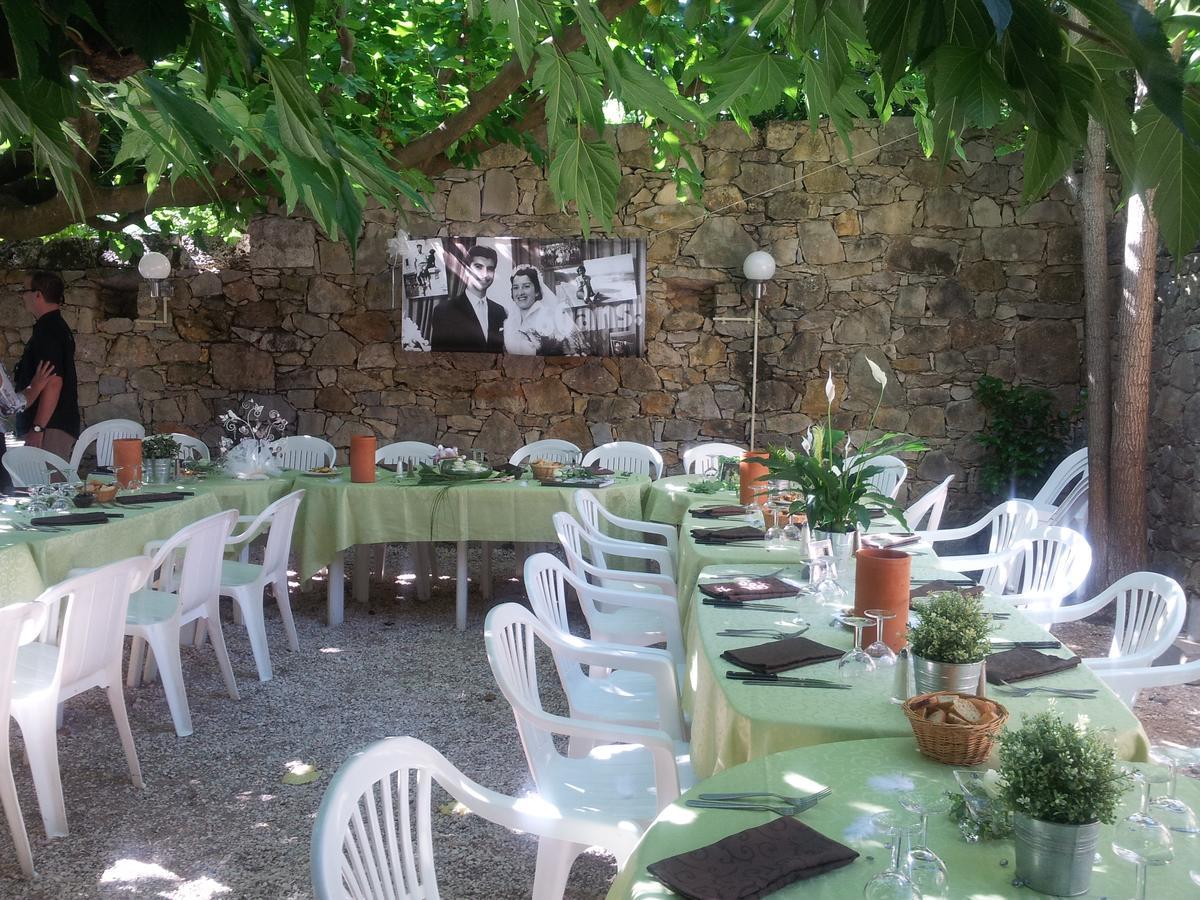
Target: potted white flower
(949,642)
(1061,782)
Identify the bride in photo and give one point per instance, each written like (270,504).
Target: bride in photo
(539,325)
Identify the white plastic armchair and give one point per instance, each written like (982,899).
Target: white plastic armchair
(593,515)
(1065,473)
(1006,523)
(586,556)
(549,449)
(102,434)
(627,778)
(1045,567)
(303,452)
(704,459)
(1073,511)
(632,618)
(887,481)
(1150,611)
(627,456)
(405,451)
(932,503)
(191,448)
(1127,682)
(367,846)
(19,624)
(27,466)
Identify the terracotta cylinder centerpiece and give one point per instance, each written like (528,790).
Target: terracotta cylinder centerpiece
(881,581)
(127,461)
(752,467)
(362,458)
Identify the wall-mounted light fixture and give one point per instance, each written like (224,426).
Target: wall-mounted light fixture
(155,268)
(759,268)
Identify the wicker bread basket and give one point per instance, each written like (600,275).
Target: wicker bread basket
(955,744)
(544,469)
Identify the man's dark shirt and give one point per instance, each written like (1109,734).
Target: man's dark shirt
(53,342)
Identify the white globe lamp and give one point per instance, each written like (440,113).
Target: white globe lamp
(759,266)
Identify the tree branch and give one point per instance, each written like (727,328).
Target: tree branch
(534,116)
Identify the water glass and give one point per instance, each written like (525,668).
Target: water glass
(479,456)
(893,883)
(1169,810)
(1143,841)
(755,516)
(856,663)
(877,649)
(925,868)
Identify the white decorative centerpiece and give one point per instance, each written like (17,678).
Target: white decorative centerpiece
(252,457)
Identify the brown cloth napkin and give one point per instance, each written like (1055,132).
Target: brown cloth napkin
(88,518)
(135,499)
(1021,663)
(779,656)
(716,512)
(749,588)
(940,587)
(726,535)
(752,863)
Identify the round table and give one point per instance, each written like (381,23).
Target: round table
(866,777)
(669,498)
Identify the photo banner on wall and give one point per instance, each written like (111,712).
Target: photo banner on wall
(525,296)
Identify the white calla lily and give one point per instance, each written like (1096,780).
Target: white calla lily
(877,373)
(829,391)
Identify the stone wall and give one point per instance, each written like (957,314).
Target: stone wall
(938,277)
(1174,501)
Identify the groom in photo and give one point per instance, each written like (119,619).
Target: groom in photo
(469,320)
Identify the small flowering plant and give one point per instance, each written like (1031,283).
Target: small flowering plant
(953,629)
(1056,771)
(836,482)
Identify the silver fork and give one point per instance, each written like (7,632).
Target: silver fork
(783,798)
(762,632)
(779,809)
(1076,693)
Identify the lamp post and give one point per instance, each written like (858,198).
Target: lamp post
(759,268)
(155,268)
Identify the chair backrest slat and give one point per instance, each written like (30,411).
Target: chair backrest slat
(28,466)
(704,459)
(549,449)
(102,434)
(304,452)
(627,456)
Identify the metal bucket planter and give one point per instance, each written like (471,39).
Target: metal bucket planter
(939,676)
(844,543)
(1055,859)
(159,471)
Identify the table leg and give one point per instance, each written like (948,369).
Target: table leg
(362,572)
(460,591)
(485,570)
(336,589)
(421,553)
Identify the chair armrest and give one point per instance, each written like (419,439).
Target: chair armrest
(661,556)
(658,664)
(666,607)
(975,562)
(949,534)
(659,584)
(248,534)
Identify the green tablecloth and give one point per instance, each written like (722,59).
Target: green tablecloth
(20,579)
(864,778)
(248,497)
(338,514)
(669,499)
(734,722)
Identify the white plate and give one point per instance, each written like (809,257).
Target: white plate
(321,474)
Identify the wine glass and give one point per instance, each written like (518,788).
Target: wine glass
(979,804)
(893,883)
(1169,810)
(824,576)
(856,663)
(38,498)
(877,649)
(925,867)
(1143,841)
(755,517)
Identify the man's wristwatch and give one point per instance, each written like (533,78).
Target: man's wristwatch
(38,429)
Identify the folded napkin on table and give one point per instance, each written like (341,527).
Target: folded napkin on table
(135,499)
(779,656)
(87,518)
(509,469)
(726,535)
(940,587)
(716,512)
(749,587)
(1021,663)
(752,863)
(888,541)
(599,470)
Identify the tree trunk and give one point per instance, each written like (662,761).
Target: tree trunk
(1093,198)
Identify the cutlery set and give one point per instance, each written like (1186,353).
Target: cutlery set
(735,604)
(1010,690)
(1031,645)
(773,634)
(786,681)
(779,804)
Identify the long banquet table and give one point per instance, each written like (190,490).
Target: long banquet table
(866,777)
(669,498)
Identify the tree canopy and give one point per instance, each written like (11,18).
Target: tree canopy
(111,109)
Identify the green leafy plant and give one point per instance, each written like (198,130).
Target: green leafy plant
(953,629)
(839,497)
(1055,771)
(1024,437)
(160,446)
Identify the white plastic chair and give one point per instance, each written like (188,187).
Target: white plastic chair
(704,459)
(303,452)
(592,514)
(1151,609)
(187,569)
(632,618)
(28,466)
(932,503)
(191,448)
(244,582)
(627,456)
(1061,479)
(1073,511)
(548,449)
(627,778)
(19,624)
(405,451)
(586,557)
(1127,682)
(887,481)
(102,434)
(1045,567)
(87,654)
(366,845)
(1006,523)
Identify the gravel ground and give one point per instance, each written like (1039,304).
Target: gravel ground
(215,819)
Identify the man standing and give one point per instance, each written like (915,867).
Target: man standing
(469,320)
(51,423)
